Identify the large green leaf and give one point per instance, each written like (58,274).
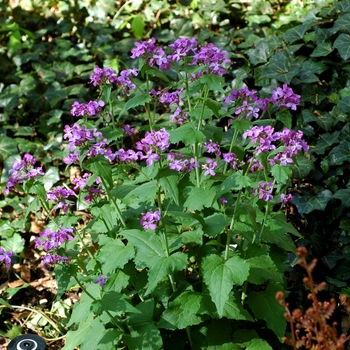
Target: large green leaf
(308,201)
(340,154)
(198,197)
(168,179)
(137,100)
(296,33)
(266,307)
(8,147)
(344,196)
(100,166)
(215,224)
(342,44)
(187,134)
(342,24)
(220,275)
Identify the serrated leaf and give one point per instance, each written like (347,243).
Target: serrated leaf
(75,338)
(147,190)
(262,269)
(280,173)
(266,307)
(187,134)
(233,309)
(198,197)
(121,255)
(214,224)
(307,201)
(220,275)
(213,81)
(234,182)
(185,311)
(342,43)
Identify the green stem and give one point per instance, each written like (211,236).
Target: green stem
(85,246)
(205,94)
(232,224)
(112,199)
(188,331)
(196,158)
(93,298)
(188,93)
(43,203)
(165,237)
(112,114)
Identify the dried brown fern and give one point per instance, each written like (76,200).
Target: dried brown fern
(311,329)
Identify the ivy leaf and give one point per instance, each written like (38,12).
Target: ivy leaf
(14,243)
(341,24)
(326,141)
(260,53)
(322,49)
(344,105)
(342,44)
(8,147)
(220,275)
(344,196)
(302,167)
(265,307)
(296,33)
(340,154)
(343,6)
(307,202)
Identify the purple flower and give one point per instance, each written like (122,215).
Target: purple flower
(285,97)
(22,170)
(6,257)
(212,147)
(52,259)
(143,48)
(102,75)
(72,158)
(127,129)
(230,158)
(86,109)
(286,198)
(149,219)
(128,156)
(178,117)
(124,81)
(171,97)
(264,190)
(223,200)
(181,48)
(209,167)
(101,280)
(155,141)
(53,239)
(59,194)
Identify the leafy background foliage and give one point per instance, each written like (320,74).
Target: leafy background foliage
(49,49)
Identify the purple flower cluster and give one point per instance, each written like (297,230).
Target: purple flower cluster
(52,259)
(81,183)
(102,75)
(86,109)
(179,116)
(176,162)
(149,219)
(60,194)
(285,97)
(212,147)
(211,56)
(264,190)
(208,55)
(231,159)
(78,136)
(6,257)
(51,240)
(101,280)
(265,138)
(286,198)
(152,144)
(22,170)
(209,167)
(123,80)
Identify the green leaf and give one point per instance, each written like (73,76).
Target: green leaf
(260,53)
(14,243)
(322,49)
(262,269)
(213,81)
(340,154)
(266,307)
(220,275)
(187,134)
(214,224)
(342,44)
(51,177)
(106,217)
(121,255)
(138,26)
(100,166)
(344,196)
(302,167)
(258,344)
(75,338)
(198,197)
(280,173)
(137,100)
(296,33)
(8,147)
(344,105)
(148,190)
(343,6)
(233,309)
(144,334)
(168,180)
(164,266)
(307,201)
(186,310)
(326,141)
(341,24)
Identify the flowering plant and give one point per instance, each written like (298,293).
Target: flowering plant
(186,232)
